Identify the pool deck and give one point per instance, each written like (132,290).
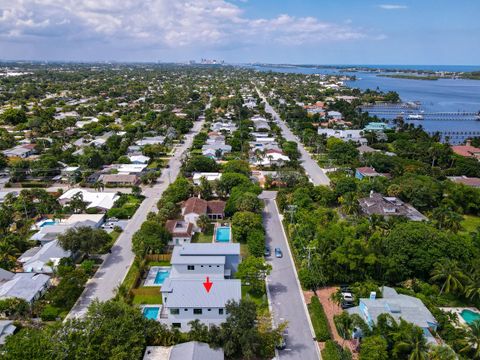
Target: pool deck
(152,273)
(457,311)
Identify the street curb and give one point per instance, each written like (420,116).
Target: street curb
(317,347)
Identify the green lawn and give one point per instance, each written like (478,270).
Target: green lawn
(319,320)
(261,301)
(204,237)
(147,299)
(159,263)
(132,274)
(470,223)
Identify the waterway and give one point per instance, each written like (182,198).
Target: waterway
(443,95)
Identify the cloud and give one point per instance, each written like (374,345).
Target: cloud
(163,24)
(392,7)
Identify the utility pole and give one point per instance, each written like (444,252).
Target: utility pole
(291,210)
(309,249)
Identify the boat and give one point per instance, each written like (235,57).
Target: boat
(415,117)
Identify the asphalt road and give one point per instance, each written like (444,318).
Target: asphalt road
(113,270)
(284,292)
(314,172)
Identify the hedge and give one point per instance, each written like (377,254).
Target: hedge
(333,351)
(319,320)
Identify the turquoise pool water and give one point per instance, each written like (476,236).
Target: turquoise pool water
(469,316)
(222,234)
(48,222)
(151,312)
(161,276)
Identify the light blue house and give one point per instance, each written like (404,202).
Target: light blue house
(376,126)
(399,306)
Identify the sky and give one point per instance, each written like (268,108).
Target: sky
(407,32)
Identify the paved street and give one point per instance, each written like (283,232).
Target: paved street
(115,267)
(315,172)
(285,294)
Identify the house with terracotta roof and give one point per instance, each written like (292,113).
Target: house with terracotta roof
(180,230)
(195,207)
(467,150)
(366,172)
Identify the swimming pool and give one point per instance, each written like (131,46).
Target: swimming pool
(161,276)
(151,312)
(157,275)
(47,223)
(222,234)
(470,316)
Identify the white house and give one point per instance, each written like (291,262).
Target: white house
(185,298)
(102,201)
(153,140)
(88,120)
(345,135)
(209,176)
(26,286)
(139,159)
(180,230)
(43,259)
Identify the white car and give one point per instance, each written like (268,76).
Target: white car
(347,296)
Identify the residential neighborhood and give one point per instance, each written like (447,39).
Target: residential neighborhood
(220,212)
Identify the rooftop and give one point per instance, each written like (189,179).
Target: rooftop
(188,293)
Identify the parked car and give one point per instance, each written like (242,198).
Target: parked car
(282,343)
(347,296)
(278,253)
(267,251)
(112,219)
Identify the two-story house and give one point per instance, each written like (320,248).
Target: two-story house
(185,294)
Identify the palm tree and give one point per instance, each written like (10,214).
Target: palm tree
(441,352)
(349,203)
(472,340)
(412,342)
(203,222)
(448,271)
(472,290)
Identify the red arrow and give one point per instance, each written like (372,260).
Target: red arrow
(207,284)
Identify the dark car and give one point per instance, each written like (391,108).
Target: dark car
(278,253)
(282,343)
(267,251)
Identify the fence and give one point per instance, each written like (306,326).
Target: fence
(158,257)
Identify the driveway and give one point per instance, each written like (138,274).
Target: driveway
(284,292)
(314,172)
(113,270)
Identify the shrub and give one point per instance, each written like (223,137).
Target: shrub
(49,313)
(333,351)
(319,320)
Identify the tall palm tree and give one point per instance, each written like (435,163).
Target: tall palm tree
(472,340)
(472,290)
(412,342)
(448,271)
(349,203)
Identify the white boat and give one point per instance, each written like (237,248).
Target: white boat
(415,117)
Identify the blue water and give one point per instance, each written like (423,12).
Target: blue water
(48,222)
(151,312)
(470,316)
(161,276)
(444,95)
(222,234)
